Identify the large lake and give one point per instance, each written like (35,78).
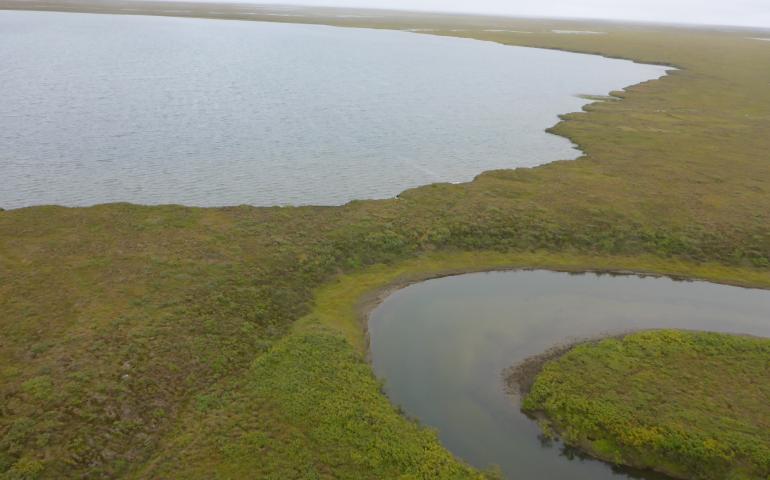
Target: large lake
(441,347)
(103,108)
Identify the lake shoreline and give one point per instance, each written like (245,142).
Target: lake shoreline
(525,149)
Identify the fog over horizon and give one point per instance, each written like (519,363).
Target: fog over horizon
(745,13)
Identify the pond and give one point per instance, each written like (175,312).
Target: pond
(153,110)
(441,347)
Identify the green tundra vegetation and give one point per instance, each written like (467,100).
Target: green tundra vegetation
(690,404)
(169,341)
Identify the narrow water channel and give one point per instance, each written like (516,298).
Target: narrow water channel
(441,347)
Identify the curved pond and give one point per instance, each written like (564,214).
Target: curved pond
(441,347)
(215,112)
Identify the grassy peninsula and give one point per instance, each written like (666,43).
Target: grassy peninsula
(177,342)
(690,404)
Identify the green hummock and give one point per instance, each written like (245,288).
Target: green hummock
(690,404)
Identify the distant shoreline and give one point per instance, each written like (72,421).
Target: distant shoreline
(340,16)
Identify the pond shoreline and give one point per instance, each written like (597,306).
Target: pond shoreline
(370,300)
(530,317)
(521,377)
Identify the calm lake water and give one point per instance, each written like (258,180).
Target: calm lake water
(102,108)
(441,347)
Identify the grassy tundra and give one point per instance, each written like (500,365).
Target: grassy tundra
(161,342)
(690,404)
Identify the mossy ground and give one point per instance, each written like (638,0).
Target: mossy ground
(691,404)
(164,341)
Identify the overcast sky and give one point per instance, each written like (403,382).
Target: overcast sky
(714,12)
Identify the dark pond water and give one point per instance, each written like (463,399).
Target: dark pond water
(441,347)
(102,108)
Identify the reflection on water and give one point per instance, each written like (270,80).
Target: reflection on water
(215,112)
(441,347)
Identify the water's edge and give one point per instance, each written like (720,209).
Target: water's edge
(408,310)
(552,130)
(369,302)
